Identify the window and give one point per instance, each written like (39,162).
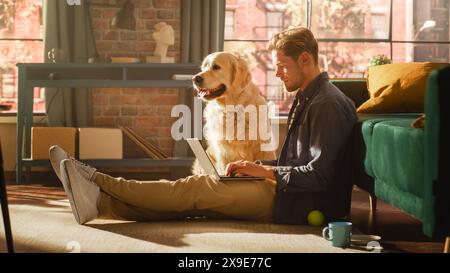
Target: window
(20,41)
(274,23)
(349,32)
(379,23)
(274,90)
(229,24)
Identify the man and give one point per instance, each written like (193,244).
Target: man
(312,172)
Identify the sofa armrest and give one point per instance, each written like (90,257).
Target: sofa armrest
(354,89)
(436,207)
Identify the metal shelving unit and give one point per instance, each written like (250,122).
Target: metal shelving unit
(31,75)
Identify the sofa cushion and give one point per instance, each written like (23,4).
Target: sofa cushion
(395,88)
(394,157)
(365,126)
(404,200)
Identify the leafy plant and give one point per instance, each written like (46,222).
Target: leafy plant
(341,15)
(379,60)
(296,8)
(6,15)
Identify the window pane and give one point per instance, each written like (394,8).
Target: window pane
(349,60)
(351,19)
(262,71)
(408,52)
(229,24)
(21,19)
(275,23)
(421,20)
(260,19)
(12,52)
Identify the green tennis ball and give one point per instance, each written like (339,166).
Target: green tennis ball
(316,218)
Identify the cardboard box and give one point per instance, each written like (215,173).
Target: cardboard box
(100,143)
(42,138)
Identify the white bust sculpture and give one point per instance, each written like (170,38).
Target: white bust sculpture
(164,37)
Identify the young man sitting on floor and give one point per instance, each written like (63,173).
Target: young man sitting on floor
(312,172)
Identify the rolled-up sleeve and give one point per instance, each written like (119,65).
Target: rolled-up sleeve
(329,128)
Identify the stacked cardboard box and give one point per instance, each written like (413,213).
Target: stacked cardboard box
(93,143)
(100,143)
(90,143)
(42,138)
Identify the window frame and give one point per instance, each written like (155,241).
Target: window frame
(388,40)
(20,39)
(354,40)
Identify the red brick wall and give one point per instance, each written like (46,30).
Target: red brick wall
(146,110)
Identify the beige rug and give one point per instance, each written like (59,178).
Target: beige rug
(49,226)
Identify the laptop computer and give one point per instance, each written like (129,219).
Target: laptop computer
(208,166)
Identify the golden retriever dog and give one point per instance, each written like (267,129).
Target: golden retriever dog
(233,102)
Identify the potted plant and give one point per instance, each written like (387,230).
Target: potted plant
(379,60)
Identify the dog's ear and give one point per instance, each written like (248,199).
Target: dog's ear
(241,75)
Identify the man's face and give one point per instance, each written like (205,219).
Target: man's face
(290,71)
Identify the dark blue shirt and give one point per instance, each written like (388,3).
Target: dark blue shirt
(313,170)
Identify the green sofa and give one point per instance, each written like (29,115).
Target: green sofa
(401,165)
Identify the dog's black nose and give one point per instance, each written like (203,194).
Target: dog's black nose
(197,79)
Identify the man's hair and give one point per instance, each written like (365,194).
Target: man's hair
(295,41)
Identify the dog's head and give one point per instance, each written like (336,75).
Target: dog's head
(223,74)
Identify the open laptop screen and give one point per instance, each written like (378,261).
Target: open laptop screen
(202,157)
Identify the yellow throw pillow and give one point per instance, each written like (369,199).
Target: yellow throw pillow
(397,88)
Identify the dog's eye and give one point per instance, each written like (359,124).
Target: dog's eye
(216,67)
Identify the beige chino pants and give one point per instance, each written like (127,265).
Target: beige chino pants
(193,196)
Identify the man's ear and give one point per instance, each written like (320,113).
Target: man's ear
(241,75)
(304,58)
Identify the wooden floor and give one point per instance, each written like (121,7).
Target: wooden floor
(399,231)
